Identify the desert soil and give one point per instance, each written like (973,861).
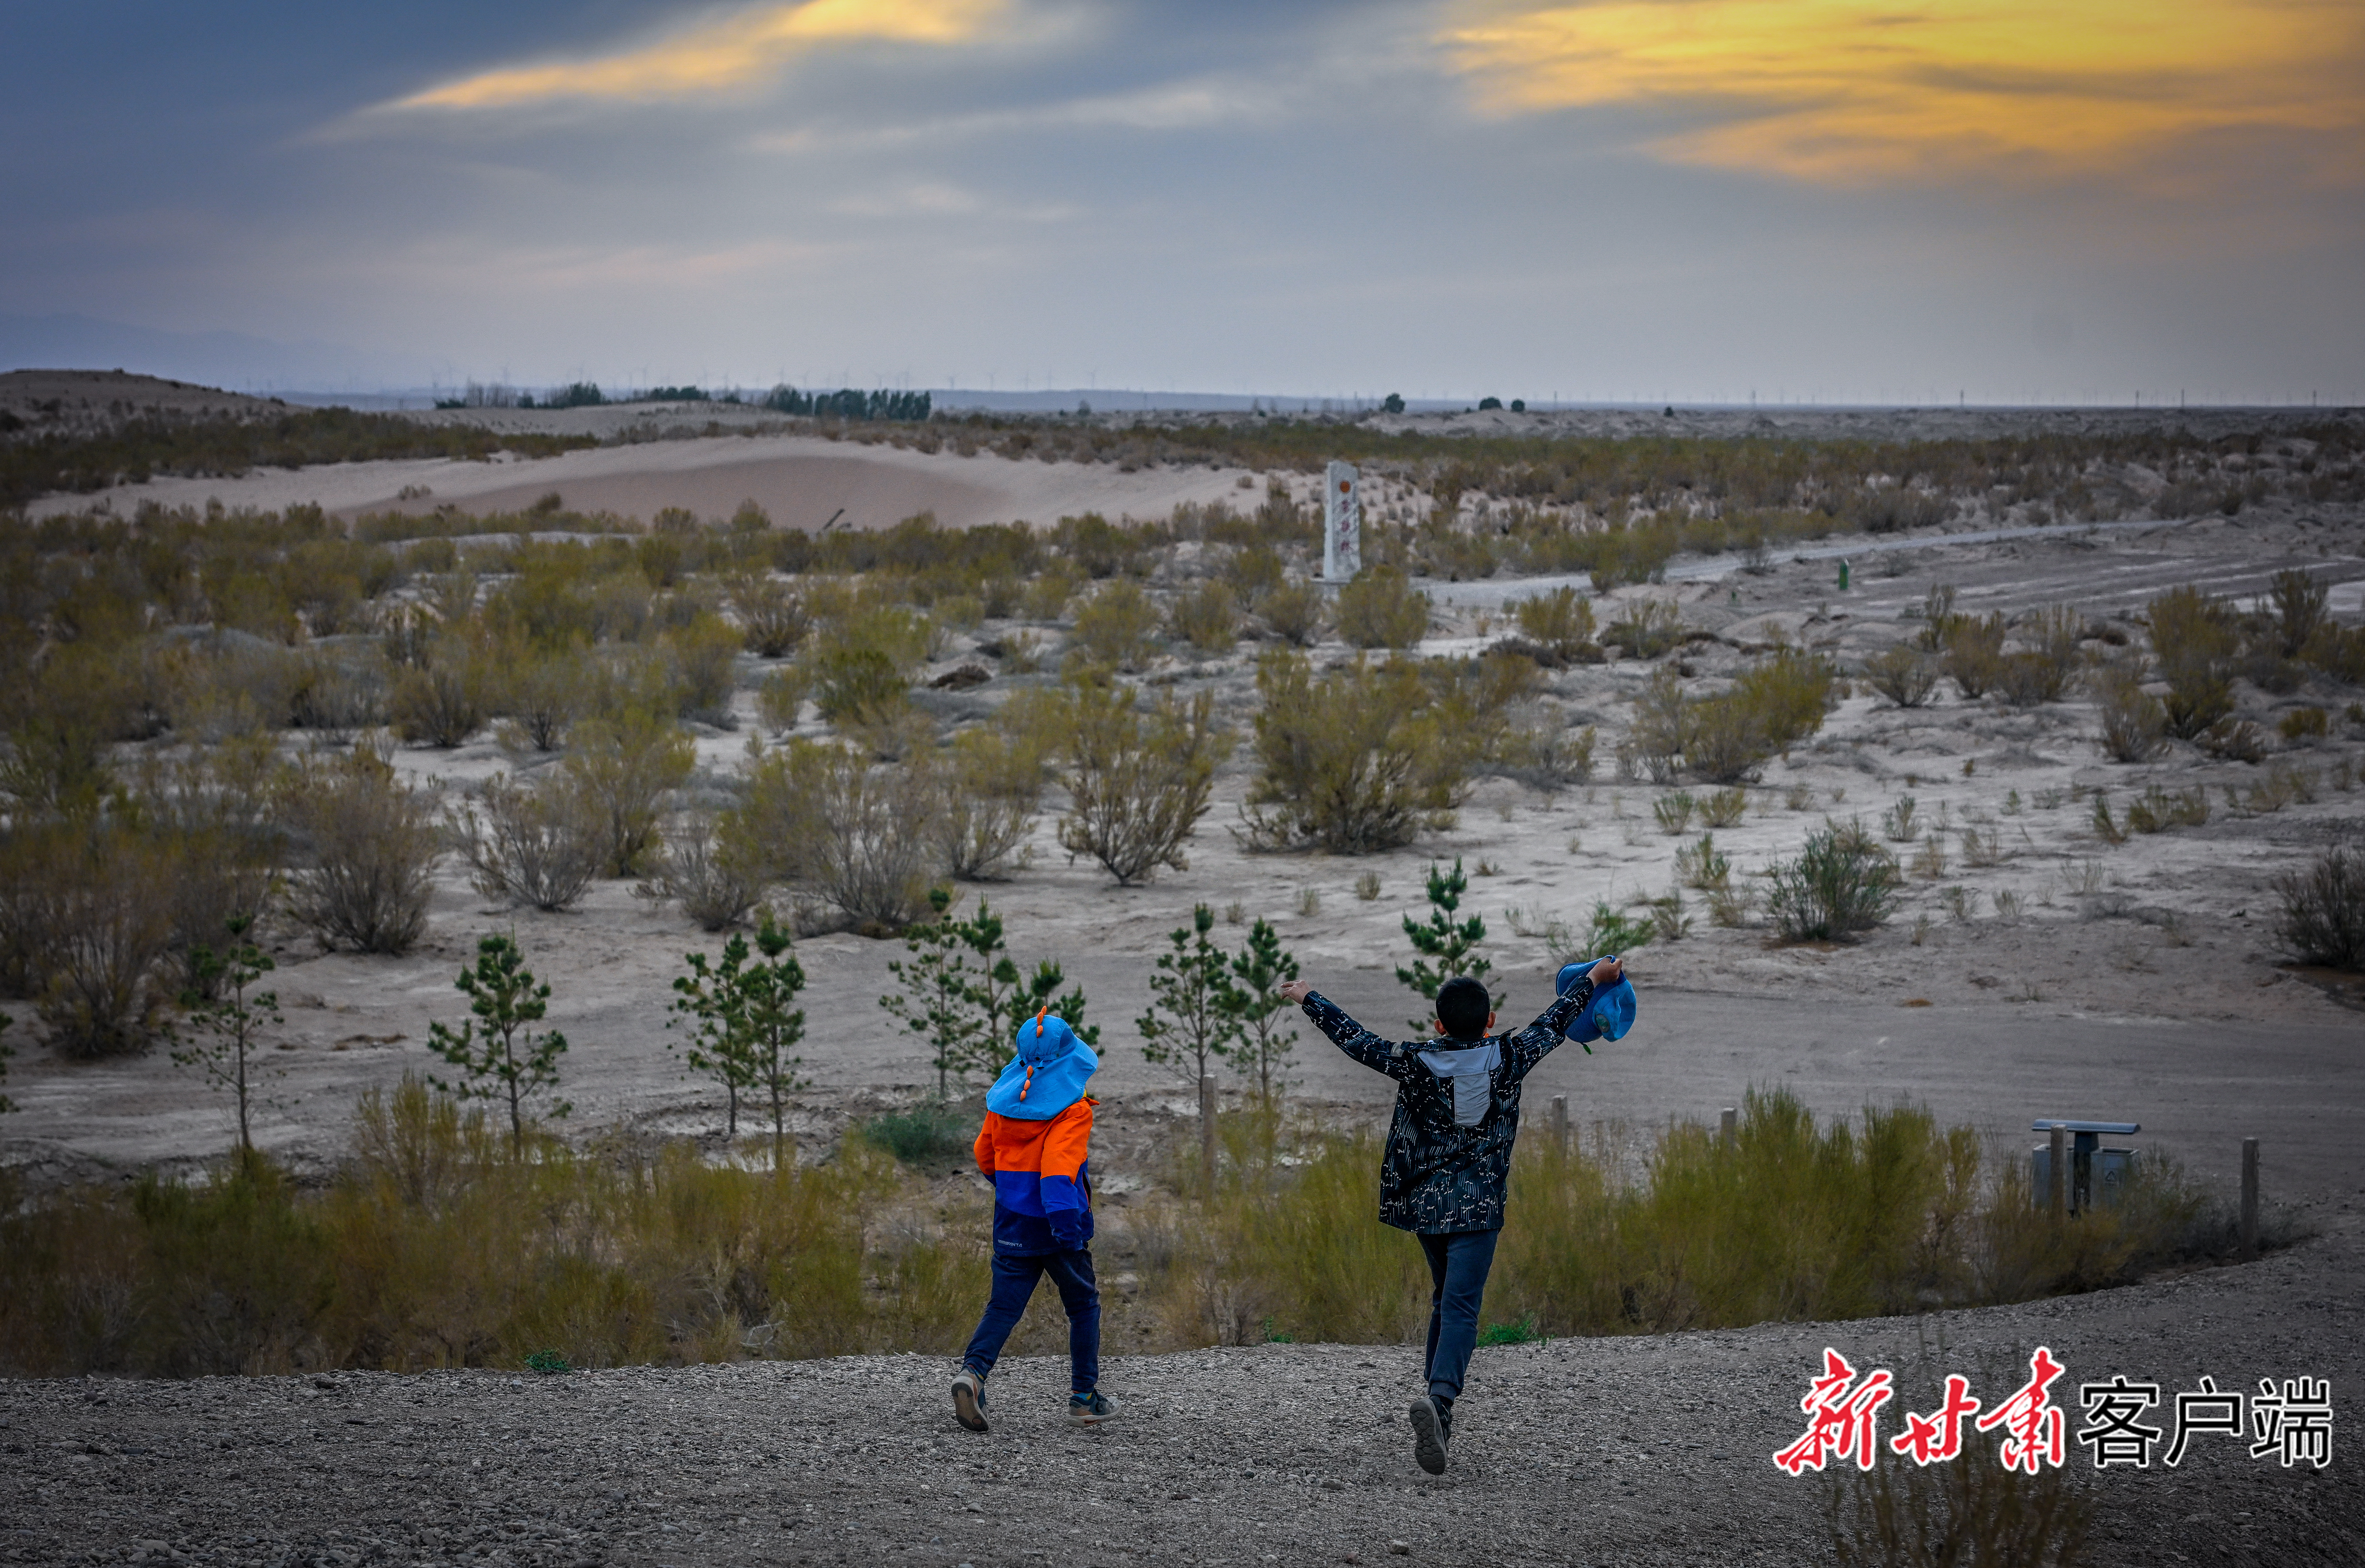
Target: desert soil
(1629,1451)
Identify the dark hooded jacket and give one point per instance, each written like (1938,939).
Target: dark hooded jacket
(1437,1175)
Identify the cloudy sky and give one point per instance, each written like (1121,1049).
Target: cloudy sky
(1693,199)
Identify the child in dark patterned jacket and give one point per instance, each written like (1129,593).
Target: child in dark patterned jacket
(1448,1159)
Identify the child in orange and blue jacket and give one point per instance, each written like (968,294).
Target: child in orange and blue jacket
(1037,1146)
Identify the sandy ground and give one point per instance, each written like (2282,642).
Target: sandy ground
(1639,1450)
(80,402)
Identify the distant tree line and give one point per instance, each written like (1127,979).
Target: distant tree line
(848,404)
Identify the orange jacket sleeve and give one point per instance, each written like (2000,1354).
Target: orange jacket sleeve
(1067,1142)
(983,1149)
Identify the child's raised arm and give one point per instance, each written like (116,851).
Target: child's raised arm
(1349,1036)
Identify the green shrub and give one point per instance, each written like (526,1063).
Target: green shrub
(993,798)
(1560,620)
(1381,609)
(1205,618)
(1842,882)
(1354,762)
(617,772)
(1118,624)
(701,660)
(1650,627)
(877,848)
(1138,782)
(2304,723)
(2135,723)
(932,1132)
(714,879)
(1973,658)
(780,697)
(1293,611)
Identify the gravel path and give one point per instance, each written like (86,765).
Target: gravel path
(1625,1451)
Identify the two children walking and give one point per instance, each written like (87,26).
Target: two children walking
(1442,1176)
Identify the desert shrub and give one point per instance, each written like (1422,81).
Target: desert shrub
(2195,640)
(211,814)
(1770,706)
(618,770)
(2303,724)
(2323,918)
(1673,812)
(1650,627)
(780,697)
(365,844)
(2302,605)
(529,845)
(2197,702)
(1724,808)
(1205,617)
(2233,740)
(1560,620)
(993,790)
(1351,762)
(85,933)
(1899,1514)
(702,659)
(859,685)
(2135,723)
(1973,657)
(878,848)
(1137,780)
(1047,596)
(773,620)
(1895,508)
(2041,672)
(442,704)
(1842,882)
(1118,624)
(1381,609)
(931,1132)
(339,692)
(1905,675)
(713,876)
(1253,572)
(1293,611)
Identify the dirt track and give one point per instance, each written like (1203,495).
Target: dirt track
(1624,1450)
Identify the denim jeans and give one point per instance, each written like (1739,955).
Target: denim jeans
(1014,1274)
(1458,1263)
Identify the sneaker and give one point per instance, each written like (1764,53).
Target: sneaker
(969,1401)
(1429,1435)
(1090,1409)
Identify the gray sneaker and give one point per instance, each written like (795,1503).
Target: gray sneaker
(1429,1435)
(1090,1409)
(969,1401)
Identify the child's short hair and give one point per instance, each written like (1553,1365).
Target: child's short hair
(1462,1006)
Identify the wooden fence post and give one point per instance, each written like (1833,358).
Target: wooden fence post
(1560,1122)
(1727,1125)
(2056,1175)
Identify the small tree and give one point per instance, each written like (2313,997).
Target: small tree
(1253,998)
(964,994)
(747,1023)
(1138,783)
(1191,1024)
(1452,944)
(500,1054)
(218,1037)
(618,770)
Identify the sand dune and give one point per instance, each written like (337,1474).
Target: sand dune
(802,481)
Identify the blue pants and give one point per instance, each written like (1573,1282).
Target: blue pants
(1458,1263)
(1014,1274)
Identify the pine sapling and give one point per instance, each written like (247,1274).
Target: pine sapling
(1190,1027)
(1253,998)
(1447,947)
(745,1023)
(218,1037)
(500,1054)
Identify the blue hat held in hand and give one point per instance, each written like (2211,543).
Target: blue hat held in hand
(1611,1012)
(1046,1075)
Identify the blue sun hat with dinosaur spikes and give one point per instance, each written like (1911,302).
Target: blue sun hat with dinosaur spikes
(1046,1071)
(1608,1015)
